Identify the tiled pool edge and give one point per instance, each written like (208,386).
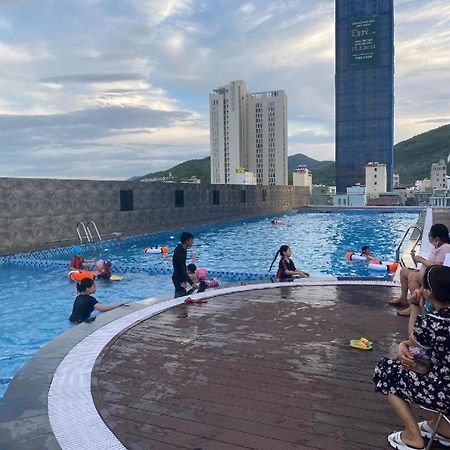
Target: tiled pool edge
(29,423)
(24,422)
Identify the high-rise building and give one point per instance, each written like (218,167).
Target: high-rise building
(302,177)
(364,88)
(439,175)
(376,178)
(248,130)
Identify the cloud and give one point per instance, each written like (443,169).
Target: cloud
(131,95)
(92,78)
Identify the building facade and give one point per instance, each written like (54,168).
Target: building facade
(364,88)
(439,175)
(376,178)
(302,177)
(355,197)
(248,130)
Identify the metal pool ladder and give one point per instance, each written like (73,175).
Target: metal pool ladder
(397,252)
(87,233)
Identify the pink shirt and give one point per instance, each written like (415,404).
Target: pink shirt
(437,255)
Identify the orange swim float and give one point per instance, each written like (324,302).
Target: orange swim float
(78,275)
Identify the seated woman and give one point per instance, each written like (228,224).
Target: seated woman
(286,267)
(404,382)
(411,279)
(85,304)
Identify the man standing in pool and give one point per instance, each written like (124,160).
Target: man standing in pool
(180,276)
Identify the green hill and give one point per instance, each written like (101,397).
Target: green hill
(413,159)
(200,168)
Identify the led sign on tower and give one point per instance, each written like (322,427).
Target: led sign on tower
(363,41)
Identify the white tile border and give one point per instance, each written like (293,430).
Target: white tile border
(75,421)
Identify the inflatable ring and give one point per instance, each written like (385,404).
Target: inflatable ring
(212,283)
(380,266)
(277,222)
(157,250)
(352,256)
(78,275)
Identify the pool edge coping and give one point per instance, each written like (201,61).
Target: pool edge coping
(70,428)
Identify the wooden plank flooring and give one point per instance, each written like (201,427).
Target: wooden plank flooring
(259,370)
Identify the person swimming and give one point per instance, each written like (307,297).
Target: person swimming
(365,251)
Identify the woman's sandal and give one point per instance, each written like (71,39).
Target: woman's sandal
(361,344)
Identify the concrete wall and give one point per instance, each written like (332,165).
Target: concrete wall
(36,212)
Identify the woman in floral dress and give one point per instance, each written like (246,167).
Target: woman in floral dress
(400,379)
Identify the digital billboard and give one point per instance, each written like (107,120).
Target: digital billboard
(363,41)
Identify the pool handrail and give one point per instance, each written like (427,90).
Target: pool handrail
(77,227)
(397,252)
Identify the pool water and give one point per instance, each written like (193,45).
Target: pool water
(37,302)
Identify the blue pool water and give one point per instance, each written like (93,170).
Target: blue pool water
(36,302)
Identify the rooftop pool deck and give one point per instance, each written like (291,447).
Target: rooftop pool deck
(256,367)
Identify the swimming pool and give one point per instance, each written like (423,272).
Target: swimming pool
(36,301)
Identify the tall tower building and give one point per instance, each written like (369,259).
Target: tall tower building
(364,88)
(248,130)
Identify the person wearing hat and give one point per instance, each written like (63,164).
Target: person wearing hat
(85,303)
(77,262)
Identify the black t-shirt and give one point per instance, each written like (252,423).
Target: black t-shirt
(283,266)
(180,274)
(82,308)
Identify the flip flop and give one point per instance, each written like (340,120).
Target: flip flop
(395,441)
(361,344)
(199,301)
(189,301)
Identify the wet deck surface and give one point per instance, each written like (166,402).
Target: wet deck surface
(254,371)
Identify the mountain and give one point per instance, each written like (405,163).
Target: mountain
(413,159)
(200,168)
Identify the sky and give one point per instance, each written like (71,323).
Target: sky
(102,89)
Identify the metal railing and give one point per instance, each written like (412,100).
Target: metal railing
(84,229)
(87,233)
(397,252)
(88,228)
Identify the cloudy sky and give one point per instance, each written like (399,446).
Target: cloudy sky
(113,89)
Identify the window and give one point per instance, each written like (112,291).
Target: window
(179,198)
(264,195)
(375,183)
(242,195)
(216,197)
(126,200)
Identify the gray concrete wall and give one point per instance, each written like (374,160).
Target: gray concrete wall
(36,212)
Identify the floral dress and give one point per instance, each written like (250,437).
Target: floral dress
(431,390)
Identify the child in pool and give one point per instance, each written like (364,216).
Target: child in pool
(203,282)
(365,251)
(286,267)
(103,269)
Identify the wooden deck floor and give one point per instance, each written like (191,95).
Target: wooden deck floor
(259,370)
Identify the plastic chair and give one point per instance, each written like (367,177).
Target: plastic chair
(441,415)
